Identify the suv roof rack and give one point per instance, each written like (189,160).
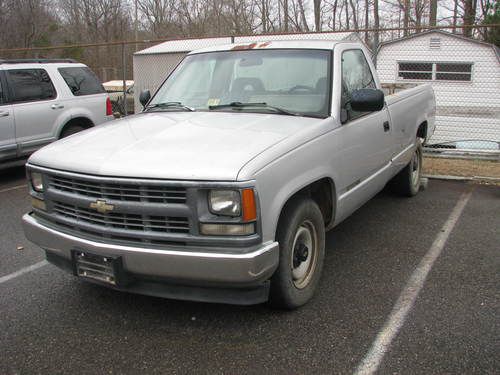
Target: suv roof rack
(36,61)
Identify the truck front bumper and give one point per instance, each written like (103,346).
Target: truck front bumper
(226,275)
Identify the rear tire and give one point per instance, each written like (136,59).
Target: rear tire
(301,238)
(407,182)
(70,130)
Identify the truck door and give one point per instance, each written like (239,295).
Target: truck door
(33,97)
(366,137)
(8,147)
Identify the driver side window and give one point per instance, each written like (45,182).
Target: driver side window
(356,74)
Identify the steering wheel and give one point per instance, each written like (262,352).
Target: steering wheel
(302,88)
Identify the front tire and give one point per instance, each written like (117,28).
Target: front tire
(301,237)
(407,182)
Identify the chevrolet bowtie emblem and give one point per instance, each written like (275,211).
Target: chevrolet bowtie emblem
(101,206)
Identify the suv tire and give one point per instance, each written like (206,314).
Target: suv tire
(70,130)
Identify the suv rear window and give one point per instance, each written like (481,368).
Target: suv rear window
(81,81)
(30,85)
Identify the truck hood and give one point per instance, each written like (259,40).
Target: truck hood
(171,145)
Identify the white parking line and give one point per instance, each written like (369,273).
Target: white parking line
(13,188)
(406,300)
(22,271)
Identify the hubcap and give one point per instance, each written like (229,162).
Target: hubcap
(415,169)
(304,254)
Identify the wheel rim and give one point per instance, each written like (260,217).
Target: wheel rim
(304,254)
(415,169)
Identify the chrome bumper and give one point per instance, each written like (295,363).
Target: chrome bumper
(238,267)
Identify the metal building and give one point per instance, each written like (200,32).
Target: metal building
(465,75)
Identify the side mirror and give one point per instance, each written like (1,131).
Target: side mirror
(367,100)
(144,97)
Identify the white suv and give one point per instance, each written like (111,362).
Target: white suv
(45,100)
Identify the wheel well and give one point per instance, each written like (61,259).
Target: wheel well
(422,130)
(81,121)
(323,193)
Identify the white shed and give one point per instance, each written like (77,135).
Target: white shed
(465,75)
(152,65)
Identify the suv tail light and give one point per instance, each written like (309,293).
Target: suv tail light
(109,107)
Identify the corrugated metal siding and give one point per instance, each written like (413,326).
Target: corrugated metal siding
(466,110)
(151,70)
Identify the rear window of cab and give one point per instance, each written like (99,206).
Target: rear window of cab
(81,80)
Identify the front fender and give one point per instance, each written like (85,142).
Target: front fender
(281,179)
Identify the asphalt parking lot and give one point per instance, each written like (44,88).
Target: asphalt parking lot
(52,322)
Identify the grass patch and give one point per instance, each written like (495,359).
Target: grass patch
(461,167)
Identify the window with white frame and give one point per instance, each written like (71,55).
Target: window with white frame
(453,72)
(429,71)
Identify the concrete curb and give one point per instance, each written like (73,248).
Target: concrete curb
(461,178)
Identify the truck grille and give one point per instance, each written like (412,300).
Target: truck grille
(151,212)
(118,191)
(130,222)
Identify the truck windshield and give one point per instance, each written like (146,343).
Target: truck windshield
(287,82)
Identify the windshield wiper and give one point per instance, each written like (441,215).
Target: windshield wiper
(170,105)
(261,105)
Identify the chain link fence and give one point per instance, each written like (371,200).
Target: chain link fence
(463,71)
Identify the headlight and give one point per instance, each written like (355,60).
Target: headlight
(225,202)
(36,181)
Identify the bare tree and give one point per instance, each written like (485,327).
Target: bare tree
(159,16)
(334,15)
(419,8)
(317,15)
(347,14)
(302,14)
(469,15)
(376,25)
(367,19)
(285,15)
(264,15)
(455,15)
(433,12)
(354,15)
(27,23)
(406,16)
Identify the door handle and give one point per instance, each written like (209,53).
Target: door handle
(57,106)
(387,127)
(4,114)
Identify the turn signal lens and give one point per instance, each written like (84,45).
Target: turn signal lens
(248,204)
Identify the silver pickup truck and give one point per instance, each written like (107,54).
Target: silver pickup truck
(222,189)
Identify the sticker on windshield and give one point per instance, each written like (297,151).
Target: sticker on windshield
(213,101)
